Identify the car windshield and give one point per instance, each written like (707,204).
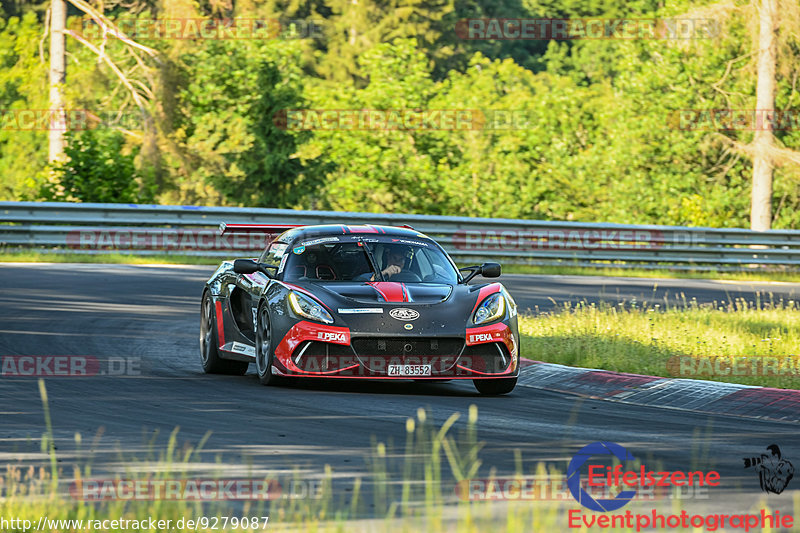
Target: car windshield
(345,259)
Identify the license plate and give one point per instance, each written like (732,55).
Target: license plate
(409,370)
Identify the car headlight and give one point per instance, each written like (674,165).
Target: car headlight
(306,307)
(492,308)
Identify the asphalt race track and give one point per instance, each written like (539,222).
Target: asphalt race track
(148,317)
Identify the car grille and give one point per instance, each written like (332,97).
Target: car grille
(376,354)
(325,348)
(405,346)
(313,356)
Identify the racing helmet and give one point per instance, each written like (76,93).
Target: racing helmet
(404,250)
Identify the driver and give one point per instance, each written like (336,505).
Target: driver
(396,258)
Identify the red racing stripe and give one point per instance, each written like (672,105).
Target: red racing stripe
(220,325)
(390,291)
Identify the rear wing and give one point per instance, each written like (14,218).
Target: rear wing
(225,228)
(255,228)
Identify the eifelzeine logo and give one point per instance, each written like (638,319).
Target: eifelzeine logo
(602,475)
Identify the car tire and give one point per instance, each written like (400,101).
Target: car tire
(495,387)
(209,344)
(264,352)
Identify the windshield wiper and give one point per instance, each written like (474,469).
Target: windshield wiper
(371,260)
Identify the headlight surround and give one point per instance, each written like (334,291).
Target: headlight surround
(492,308)
(306,307)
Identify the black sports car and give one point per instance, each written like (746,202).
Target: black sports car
(372,302)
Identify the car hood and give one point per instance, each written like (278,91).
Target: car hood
(389,292)
(364,307)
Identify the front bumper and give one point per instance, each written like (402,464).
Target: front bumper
(315,350)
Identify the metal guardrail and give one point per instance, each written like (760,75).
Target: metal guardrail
(193,230)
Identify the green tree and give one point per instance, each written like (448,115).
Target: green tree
(227,148)
(97,169)
(23,149)
(378,169)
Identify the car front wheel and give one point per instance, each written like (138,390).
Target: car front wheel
(209,345)
(264,353)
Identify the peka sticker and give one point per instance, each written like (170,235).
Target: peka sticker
(299,250)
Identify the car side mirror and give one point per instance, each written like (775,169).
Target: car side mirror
(490,270)
(487,270)
(246,266)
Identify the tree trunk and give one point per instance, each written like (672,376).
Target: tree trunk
(353,33)
(58,122)
(761,208)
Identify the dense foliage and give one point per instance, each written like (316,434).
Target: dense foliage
(586,129)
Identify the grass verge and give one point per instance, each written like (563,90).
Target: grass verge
(411,489)
(408,490)
(734,342)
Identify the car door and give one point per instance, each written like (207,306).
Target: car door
(250,287)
